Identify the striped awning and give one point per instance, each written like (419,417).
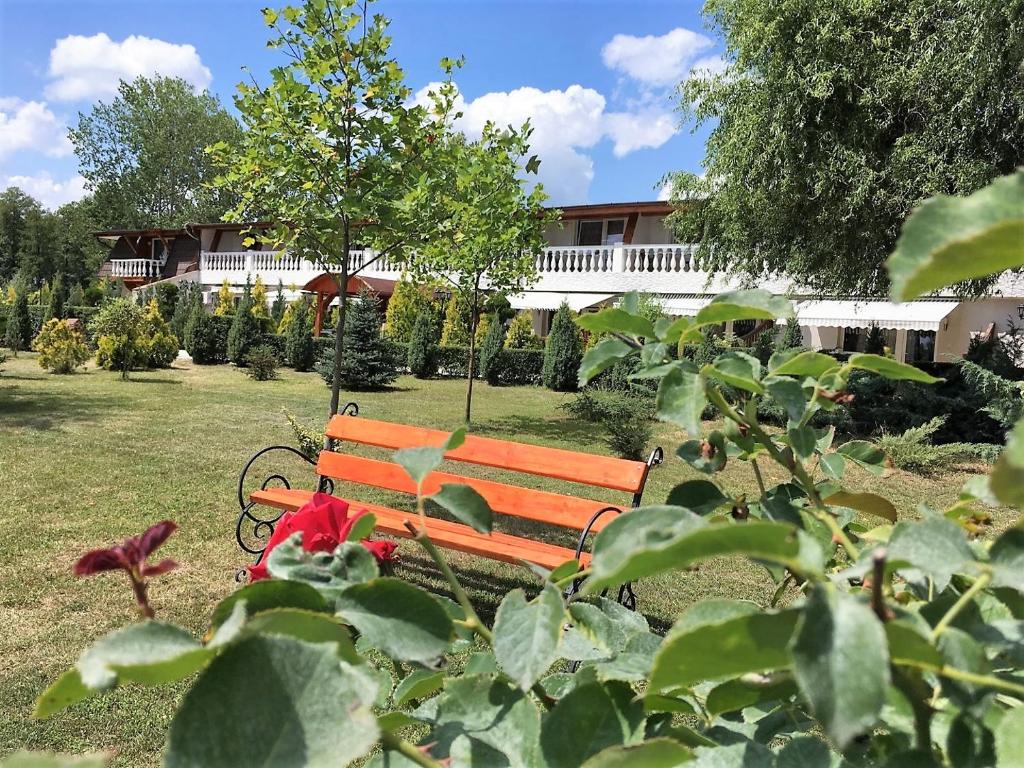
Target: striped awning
(911,315)
(553,300)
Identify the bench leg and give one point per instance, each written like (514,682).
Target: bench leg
(626,595)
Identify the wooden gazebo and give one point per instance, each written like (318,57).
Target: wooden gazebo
(326,289)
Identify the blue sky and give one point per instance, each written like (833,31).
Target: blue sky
(596,78)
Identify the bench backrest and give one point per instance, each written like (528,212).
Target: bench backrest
(545,506)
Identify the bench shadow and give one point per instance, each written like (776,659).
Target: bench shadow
(43,410)
(558,430)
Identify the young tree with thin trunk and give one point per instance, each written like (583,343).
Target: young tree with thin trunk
(335,148)
(491,228)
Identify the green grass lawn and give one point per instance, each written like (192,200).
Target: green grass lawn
(86,460)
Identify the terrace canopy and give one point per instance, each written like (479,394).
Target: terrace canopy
(326,289)
(912,315)
(553,300)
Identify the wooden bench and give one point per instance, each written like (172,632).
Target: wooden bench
(577,513)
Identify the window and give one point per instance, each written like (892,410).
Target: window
(616,229)
(590,233)
(853,340)
(920,346)
(741,328)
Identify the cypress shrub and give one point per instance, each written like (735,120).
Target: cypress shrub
(406,304)
(120,343)
(299,347)
(202,335)
(368,361)
(58,298)
(520,333)
(245,330)
(490,351)
(166,295)
(763,346)
(61,347)
(18,335)
(455,330)
(422,357)
(76,298)
(183,308)
(791,338)
(277,310)
(160,344)
(563,352)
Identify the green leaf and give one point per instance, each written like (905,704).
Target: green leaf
(1010,739)
(420,462)
(754,642)
(889,368)
(751,304)
(709,457)
(789,394)
(936,546)
(949,239)
(808,752)
(1007,478)
(588,719)
(417,685)
(869,503)
(908,647)
(270,593)
(564,571)
(150,653)
(304,625)
(400,619)
(483,721)
(615,320)
(681,399)
(66,690)
(862,452)
(602,355)
(362,527)
(467,505)
(526,634)
(841,663)
(1007,557)
(328,572)
(833,465)
(700,496)
(796,363)
(654,753)
(742,692)
(273,701)
(803,440)
(739,370)
(651,540)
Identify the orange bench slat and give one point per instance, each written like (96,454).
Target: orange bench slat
(542,506)
(589,469)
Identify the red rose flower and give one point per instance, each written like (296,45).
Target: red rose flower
(324,523)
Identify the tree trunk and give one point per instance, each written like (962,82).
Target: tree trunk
(339,330)
(473,321)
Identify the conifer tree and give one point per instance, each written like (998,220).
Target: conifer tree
(159,342)
(201,333)
(455,331)
(403,310)
(76,298)
(277,310)
(299,348)
(225,300)
(791,338)
(18,336)
(874,344)
(422,358)
(764,345)
(245,329)
(520,333)
(368,362)
(563,352)
(491,347)
(258,302)
(183,308)
(58,298)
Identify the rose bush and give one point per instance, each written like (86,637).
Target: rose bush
(323,523)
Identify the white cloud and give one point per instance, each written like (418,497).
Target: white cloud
(30,125)
(657,60)
(665,193)
(47,190)
(565,124)
(91,67)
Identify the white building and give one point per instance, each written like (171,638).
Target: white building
(595,253)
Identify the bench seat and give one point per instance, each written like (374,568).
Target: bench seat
(451,535)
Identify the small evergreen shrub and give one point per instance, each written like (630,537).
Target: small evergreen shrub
(261,363)
(166,295)
(61,347)
(874,344)
(183,308)
(563,352)
(368,362)
(57,300)
(202,336)
(308,440)
(225,300)
(490,351)
(404,308)
(422,355)
(245,330)
(18,335)
(914,450)
(630,437)
(520,333)
(119,328)
(278,308)
(76,299)
(791,337)
(455,330)
(299,349)
(160,344)
(763,346)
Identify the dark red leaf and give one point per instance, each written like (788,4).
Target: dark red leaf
(97,560)
(156,535)
(162,567)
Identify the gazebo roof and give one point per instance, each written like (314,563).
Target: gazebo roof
(326,285)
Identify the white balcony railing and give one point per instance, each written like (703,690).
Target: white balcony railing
(135,268)
(617,258)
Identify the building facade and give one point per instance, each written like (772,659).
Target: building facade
(595,253)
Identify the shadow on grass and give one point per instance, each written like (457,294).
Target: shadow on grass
(537,426)
(43,410)
(136,379)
